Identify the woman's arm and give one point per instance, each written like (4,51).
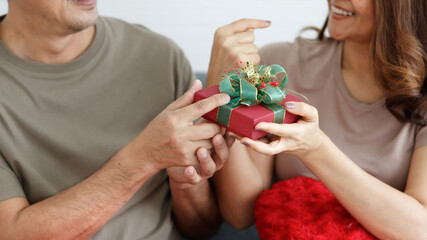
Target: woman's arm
(233,43)
(239,183)
(384,211)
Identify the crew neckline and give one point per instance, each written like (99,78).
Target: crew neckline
(343,88)
(76,64)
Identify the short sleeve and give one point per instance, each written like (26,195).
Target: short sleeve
(421,137)
(10,185)
(184,77)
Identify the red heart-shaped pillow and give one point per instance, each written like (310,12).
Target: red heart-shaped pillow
(303,208)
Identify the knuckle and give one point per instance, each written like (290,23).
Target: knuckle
(210,131)
(240,56)
(257,59)
(227,42)
(170,121)
(199,106)
(188,160)
(209,171)
(251,37)
(255,48)
(219,32)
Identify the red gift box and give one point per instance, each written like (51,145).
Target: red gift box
(244,119)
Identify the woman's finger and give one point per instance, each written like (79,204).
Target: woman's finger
(247,48)
(244,37)
(306,111)
(244,24)
(261,147)
(282,130)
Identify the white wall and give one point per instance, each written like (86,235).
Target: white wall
(192,23)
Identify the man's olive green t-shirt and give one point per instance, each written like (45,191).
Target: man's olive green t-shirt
(59,123)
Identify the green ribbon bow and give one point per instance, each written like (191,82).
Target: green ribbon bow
(253,85)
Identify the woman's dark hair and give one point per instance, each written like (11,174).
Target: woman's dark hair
(399,56)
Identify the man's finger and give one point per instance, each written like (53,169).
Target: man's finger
(244,24)
(201,107)
(207,165)
(191,175)
(204,131)
(221,150)
(187,98)
(206,143)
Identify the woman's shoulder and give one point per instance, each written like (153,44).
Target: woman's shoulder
(301,50)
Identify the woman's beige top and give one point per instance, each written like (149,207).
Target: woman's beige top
(367,133)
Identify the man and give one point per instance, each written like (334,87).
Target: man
(84,142)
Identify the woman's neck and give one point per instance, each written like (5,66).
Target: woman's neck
(357,71)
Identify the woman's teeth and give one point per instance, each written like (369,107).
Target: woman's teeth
(342,12)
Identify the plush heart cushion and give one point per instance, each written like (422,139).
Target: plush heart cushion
(304,209)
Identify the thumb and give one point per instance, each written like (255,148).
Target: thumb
(187,98)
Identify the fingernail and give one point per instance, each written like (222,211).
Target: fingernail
(244,143)
(268,21)
(203,154)
(189,171)
(226,97)
(220,141)
(290,105)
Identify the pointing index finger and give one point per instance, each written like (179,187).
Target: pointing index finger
(244,24)
(201,107)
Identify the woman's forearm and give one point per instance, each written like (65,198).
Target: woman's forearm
(240,182)
(382,210)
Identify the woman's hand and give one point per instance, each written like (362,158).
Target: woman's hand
(233,43)
(302,138)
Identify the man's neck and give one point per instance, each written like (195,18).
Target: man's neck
(38,44)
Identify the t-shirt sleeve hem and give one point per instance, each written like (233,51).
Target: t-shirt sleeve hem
(9,192)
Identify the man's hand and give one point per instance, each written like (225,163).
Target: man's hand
(171,139)
(208,163)
(233,43)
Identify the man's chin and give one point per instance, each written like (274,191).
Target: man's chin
(77,25)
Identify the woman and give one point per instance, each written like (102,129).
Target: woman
(365,135)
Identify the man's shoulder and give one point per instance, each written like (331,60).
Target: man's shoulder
(134,33)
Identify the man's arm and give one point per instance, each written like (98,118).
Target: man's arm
(78,212)
(169,140)
(194,204)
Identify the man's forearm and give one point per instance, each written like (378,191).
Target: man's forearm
(195,209)
(80,211)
